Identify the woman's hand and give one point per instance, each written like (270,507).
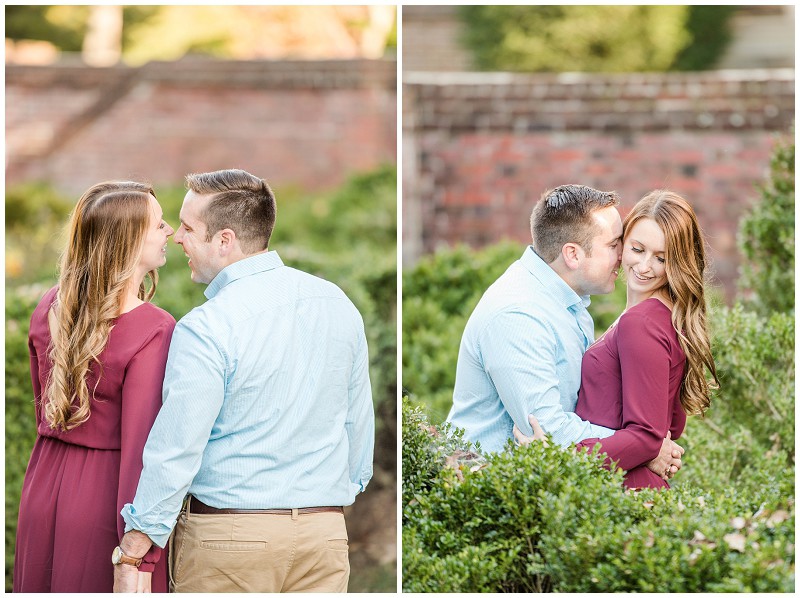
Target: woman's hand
(538,433)
(143,586)
(668,462)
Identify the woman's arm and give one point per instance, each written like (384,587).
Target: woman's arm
(37,386)
(141,401)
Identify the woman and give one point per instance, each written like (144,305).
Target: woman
(647,372)
(98,351)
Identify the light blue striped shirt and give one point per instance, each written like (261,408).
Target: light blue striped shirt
(521,353)
(266,403)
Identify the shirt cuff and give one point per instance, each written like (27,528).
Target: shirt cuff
(158,533)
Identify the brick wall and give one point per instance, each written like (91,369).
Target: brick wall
(304,123)
(479,149)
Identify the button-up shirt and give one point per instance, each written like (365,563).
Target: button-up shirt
(521,354)
(266,400)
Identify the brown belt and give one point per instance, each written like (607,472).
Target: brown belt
(199,508)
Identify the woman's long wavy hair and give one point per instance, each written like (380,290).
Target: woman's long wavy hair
(685,258)
(106,235)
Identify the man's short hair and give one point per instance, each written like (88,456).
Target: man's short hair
(241,202)
(564,215)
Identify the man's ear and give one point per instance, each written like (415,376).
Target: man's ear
(226,241)
(572,253)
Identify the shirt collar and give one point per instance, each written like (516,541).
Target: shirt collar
(552,281)
(260,262)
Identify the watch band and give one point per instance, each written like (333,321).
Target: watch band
(120,558)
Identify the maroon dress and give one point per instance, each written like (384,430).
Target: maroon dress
(78,481)
(630,381)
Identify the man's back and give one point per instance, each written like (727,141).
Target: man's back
(267,400)
(292,356)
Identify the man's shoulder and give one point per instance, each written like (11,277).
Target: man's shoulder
(326,294)
(516,290)
(315,285)
(237,302)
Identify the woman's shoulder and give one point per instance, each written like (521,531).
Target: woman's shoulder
(47,299)
(149,313)
(144,326)
(145,322)
(39,315)
(650,316)
(652,308)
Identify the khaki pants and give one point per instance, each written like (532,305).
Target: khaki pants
(259,553)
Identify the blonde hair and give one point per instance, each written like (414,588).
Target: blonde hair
(685,264)
(105,239)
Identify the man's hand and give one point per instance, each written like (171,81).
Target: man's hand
(127,578)
(668,461)
(143,586)
(538,433)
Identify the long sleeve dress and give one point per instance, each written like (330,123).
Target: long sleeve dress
(630,381)
(78,481)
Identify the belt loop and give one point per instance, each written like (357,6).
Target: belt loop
(295,514)
(186,505)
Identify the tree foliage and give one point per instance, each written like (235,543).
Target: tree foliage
(766,238)
(593,38)
(169,32)
(66,26)
(710,32)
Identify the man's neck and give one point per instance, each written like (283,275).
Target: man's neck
(559,267)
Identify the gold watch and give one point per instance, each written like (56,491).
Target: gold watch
(120,558)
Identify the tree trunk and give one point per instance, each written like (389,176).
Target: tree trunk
(102,45)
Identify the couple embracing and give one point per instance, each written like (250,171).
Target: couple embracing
(529,363)
(266,427)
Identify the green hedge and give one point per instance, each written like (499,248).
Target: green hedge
(545,519)
(347,236)
(541,518)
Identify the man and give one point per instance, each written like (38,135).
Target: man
(521,351)
(267,424)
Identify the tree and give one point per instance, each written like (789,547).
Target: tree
(64,27)
(102,45)
(710,31)
(100,32)
(142,33)
(766,238)
(626,38)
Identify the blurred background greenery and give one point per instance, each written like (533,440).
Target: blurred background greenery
(596,38)
(134,35)
(347,236)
